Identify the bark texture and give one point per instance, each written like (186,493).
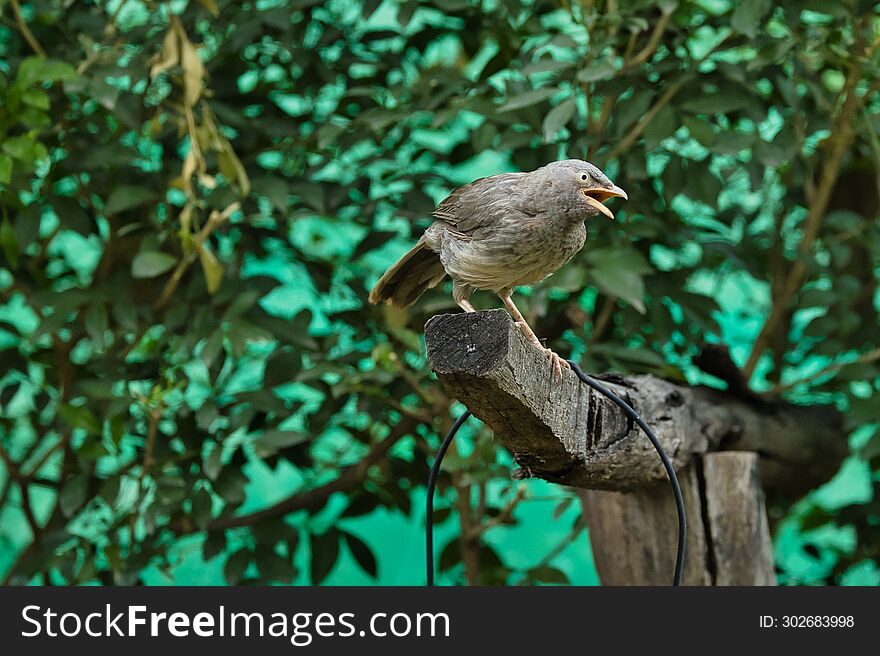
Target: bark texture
(564,432)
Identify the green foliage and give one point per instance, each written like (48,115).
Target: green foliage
(197,196)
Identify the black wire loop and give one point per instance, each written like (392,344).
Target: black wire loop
(629,411)
(432,481)
(667,463)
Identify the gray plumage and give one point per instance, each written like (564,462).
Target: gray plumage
(502,232)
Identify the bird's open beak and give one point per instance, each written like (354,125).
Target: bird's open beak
(598,195)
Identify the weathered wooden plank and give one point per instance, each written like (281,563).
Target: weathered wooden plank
(564,432)
(741,550)
(634,535)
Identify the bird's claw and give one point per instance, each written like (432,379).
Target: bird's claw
(558,363)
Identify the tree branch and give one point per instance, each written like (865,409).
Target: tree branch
(349,478)
(637,130)
(841,137)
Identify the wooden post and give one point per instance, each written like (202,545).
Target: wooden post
(728,535)
(563,431)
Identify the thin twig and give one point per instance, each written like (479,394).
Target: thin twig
(865,358)
(653,42)
(25,30)
(637,130)
(214,221)
(603,319)
(45,457)
(502,517)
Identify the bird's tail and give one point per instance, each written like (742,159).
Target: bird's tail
(411,276)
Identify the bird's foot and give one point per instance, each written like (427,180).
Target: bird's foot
(558,363)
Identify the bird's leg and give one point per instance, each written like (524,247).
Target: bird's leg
(462,293)
(556,361)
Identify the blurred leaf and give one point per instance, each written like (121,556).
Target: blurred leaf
(362,553)
(272,441)
(547,574)
(193,70)
(33,70)
(126,197)
(621,283)
(201,509)
(557,118)
(700,130)
(73,494)
(211,267)
(527,98)
(150,264)
(5,168)
(282,367)
(80,417)
(747,16)
(235,566)
(325,551)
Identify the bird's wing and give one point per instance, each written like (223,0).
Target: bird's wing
(480,205)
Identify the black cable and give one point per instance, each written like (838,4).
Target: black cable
(629,411)
(670,470)
(432,481)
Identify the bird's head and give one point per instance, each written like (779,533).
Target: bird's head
(583,186)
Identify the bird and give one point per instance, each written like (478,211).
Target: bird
(502,232)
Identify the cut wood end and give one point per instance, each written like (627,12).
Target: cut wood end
(468,342)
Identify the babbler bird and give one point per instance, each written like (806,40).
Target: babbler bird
(502,232)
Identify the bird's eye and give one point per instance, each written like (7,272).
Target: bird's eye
(584,177)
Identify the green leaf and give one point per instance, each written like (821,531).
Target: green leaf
(126,197)
(747,16)
(720,102)
(5,168)
(700,130)
(558,117)
(37,69)
(73,494)
(325,551)
(270,442)
(149,264)
(527,99)
(96,323)
(202,506)
(24,149)
(450,555)
(8,243)
(236,565)
(273,567)
(663,125)
(731,143)
(215,543)
(362,553)
(36,98)
(80,417)
(596,73)
(282,367)
(273,188)
(619,257)
(547,574)
(622,283)
(211,267)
